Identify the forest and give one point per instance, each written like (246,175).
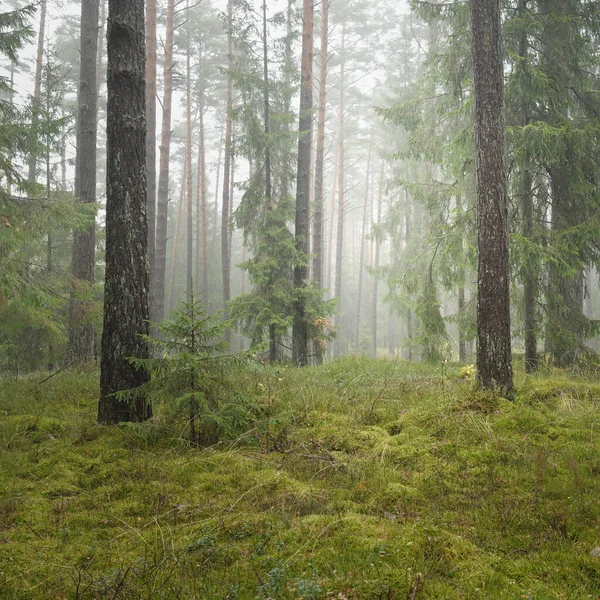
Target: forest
(299,299)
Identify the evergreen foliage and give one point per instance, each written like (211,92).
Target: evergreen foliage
(191,372)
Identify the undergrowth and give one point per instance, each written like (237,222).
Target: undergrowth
(350,480)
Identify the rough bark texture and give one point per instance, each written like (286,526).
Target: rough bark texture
(494,363)
(126,282)
(151,141)
(300,327)
(80,345)
(162,205)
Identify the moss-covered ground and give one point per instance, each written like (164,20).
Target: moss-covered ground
(357,476)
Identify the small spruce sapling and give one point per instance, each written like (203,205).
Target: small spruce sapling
(189,371)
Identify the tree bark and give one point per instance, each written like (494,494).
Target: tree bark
(188,159)
(37,92)
(126,281)
(494,361)
(318,223)
(376,265)
(201,211)
(225,250)
(80,345)
(341,207)
(300,327)
(151,143)
(361,259)
(162,206)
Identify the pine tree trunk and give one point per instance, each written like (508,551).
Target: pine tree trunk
(530,274)
(126,280)
(375,306)
(566,321)
(176,238)
(100,53)
(361,260)
(201,223)
(302,236)
(494,361)
(189,179)
(318,223)
(225,250)
(151,52)
(341,207)
(162,206)
(37,92)
(462,344)
(80,345)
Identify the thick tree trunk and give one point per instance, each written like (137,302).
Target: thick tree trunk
(37,92)
(494,361)
(162,206)
(151,143)
(80,345)
(300,328)
(126,280)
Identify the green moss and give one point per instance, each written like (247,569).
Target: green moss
(371,472)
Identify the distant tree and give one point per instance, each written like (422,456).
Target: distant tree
(80,347)
(494,361)
(303,180)
(126,280)
(162,202)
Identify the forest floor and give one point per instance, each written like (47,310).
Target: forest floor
(364,479)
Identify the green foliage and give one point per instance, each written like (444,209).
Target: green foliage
(191,372)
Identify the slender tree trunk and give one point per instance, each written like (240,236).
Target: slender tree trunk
(525,191)
(151,143)
(462,344)
(341,207)
(162,206)
(176,238)
(494,361)
(318,224)
(361,260)
(189,192)
(80,345)
(331,228)
(300,328)
(225,250)
(376,266)
(37,92)
(201,223)
(270,203)
(100,51)
(126,280)
(218,180)
(566,322)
